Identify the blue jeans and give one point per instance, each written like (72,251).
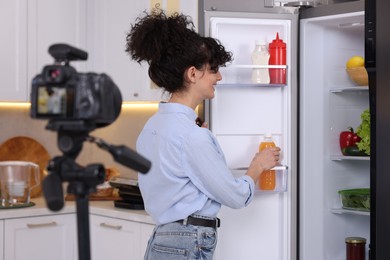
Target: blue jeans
(175,241)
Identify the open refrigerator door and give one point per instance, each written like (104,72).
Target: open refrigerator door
(330,103)
(240,115)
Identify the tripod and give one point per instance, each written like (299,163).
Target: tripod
(82,180)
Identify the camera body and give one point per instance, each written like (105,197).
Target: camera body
(63,95)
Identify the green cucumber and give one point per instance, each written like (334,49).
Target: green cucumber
(353,150)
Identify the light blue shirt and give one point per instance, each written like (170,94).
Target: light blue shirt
(189,174)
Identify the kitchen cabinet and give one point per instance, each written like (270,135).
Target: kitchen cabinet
(96,26)
(44,238)
(109,23)
(146,232)
(113,238)
(13,50)
(2,239)
(28,29)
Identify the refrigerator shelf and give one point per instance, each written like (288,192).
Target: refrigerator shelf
(241,75)
(348,89)
(238,84)
(349,158)
(349,212)
(276,168)
(258,66)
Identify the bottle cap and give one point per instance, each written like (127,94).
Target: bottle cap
(267,135)
(355,240)
(277,43)
(260,42)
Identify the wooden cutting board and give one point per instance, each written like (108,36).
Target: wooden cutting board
(22,148)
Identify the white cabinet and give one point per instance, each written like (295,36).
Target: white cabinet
(99,27)
(1,239)
(54,21)
(13,50)
(146,232)
(113,238)
(108,25)
(28,28)
(43,238)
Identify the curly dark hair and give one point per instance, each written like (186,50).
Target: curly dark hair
(170,45)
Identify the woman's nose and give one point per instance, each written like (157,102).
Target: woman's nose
(219,76)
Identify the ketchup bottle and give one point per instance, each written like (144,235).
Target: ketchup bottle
(277,51)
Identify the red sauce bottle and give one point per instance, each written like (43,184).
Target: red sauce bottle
(277,52)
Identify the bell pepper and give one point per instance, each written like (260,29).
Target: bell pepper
(347,139)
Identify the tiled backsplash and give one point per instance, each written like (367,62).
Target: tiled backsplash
(15,121)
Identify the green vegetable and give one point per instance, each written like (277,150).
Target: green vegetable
(357,199)
(363,131)
(353,150)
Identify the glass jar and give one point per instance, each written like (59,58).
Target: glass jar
(356,248)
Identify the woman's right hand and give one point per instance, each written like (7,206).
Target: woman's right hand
(264,160)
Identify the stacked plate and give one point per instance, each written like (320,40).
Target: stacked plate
(128,192)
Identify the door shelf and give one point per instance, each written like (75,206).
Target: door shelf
(257,67)
(339,157)
(240,75)
(280,179)
(349,89)
(244,84)
(342,211)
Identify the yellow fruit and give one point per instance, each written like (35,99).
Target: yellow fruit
(355,61)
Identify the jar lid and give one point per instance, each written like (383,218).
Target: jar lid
(355,240)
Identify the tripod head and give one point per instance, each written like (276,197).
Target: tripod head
(83,180)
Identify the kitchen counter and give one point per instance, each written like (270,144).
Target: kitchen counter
(102,208)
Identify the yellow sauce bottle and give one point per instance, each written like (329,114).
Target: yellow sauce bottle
(267,178)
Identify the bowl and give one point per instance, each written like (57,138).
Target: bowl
(355,199)
(358,75)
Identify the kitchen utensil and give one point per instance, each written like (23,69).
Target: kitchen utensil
(17,178)
(22,148)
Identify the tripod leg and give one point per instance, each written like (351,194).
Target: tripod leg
(83,227)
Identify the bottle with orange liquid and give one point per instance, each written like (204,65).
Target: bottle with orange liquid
(267,178)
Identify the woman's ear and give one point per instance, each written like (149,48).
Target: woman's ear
(190,74)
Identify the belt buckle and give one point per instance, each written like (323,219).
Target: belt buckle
(185,221)
(217,223)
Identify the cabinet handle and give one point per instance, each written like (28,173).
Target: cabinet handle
(49,224)
(117,227)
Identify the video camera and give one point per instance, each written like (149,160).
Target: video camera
(73,100)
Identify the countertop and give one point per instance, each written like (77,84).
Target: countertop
(102,208)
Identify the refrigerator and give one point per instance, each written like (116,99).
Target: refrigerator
(303,218)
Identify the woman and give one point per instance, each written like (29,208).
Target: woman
(189,179)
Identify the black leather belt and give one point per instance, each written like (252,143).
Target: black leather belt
(191,220)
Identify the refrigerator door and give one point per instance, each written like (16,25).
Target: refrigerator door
(240,115)
(329,103)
